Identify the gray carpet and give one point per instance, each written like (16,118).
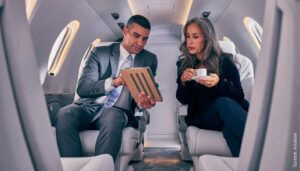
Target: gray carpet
(161,159)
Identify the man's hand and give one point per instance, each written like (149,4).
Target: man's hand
(209,81)
(145,102)
(116,82)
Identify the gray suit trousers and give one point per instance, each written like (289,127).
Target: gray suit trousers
(72,119)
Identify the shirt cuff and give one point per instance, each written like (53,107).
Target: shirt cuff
(108,85)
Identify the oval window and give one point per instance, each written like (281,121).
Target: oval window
(61,47)
(255,31)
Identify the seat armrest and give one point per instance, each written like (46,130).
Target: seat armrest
(182,109)
(182,126)
(143,116)
(102,162)
(215,163)
(181,113)
(201,141)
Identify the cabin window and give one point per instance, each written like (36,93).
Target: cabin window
(255,31)
(225,38)
(30,5)
(61,47)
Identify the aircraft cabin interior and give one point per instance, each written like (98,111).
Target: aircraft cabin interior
(46,47)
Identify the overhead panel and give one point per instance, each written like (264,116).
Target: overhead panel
(216,7)
(104,8)
(159,12)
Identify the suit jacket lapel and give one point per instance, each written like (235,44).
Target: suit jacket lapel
(139,60)
(114,59)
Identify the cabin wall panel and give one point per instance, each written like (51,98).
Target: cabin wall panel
(231,24)
(163,115)
(49,19)
(284,110)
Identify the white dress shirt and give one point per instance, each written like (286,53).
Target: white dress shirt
(123,55)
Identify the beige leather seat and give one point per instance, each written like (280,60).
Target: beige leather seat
(102,162)
(216,163)
(196,142)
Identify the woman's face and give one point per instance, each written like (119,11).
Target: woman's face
(194,39)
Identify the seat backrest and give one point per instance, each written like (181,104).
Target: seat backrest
(86,54)
(27,140)
(244,66)
(271,137)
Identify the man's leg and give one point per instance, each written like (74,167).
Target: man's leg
(70,120)
(110,124)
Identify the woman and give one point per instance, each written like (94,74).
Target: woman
(216,101)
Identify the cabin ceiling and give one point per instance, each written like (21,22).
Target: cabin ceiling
(166,16)
(166,11)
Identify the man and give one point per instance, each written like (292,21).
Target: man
(105,103)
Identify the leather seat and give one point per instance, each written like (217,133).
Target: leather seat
(199,141)
(129,145)
(214,163)
(102,162)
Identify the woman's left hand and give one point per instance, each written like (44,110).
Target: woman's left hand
(209,81)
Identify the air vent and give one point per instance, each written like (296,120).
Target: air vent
(115,15)
(205,14)
(121,25)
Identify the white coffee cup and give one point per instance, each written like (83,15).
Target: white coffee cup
(201,72)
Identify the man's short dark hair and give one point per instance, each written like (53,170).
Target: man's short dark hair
(140,20)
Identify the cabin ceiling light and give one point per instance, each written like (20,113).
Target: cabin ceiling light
(30,5)
(115,15)
(186,11)
(131,6)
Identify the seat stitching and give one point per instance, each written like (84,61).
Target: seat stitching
(229,166)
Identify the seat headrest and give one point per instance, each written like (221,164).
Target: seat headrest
(103,44)
(227,47)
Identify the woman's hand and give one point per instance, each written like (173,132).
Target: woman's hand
(187,75)
(209,81)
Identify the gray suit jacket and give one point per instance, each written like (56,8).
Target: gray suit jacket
(102,63)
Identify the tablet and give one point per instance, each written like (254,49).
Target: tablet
(140,79)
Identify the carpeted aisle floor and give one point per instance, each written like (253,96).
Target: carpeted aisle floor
(161,159)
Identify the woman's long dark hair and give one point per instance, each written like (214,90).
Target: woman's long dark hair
(211,50)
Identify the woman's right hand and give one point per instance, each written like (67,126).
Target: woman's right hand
(187,75)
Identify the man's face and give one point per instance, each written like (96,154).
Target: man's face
(135,38)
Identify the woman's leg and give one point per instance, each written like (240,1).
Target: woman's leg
(233,142)
(227,115)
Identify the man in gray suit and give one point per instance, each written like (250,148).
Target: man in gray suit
(105,103)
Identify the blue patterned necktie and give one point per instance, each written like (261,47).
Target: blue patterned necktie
(115,93)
